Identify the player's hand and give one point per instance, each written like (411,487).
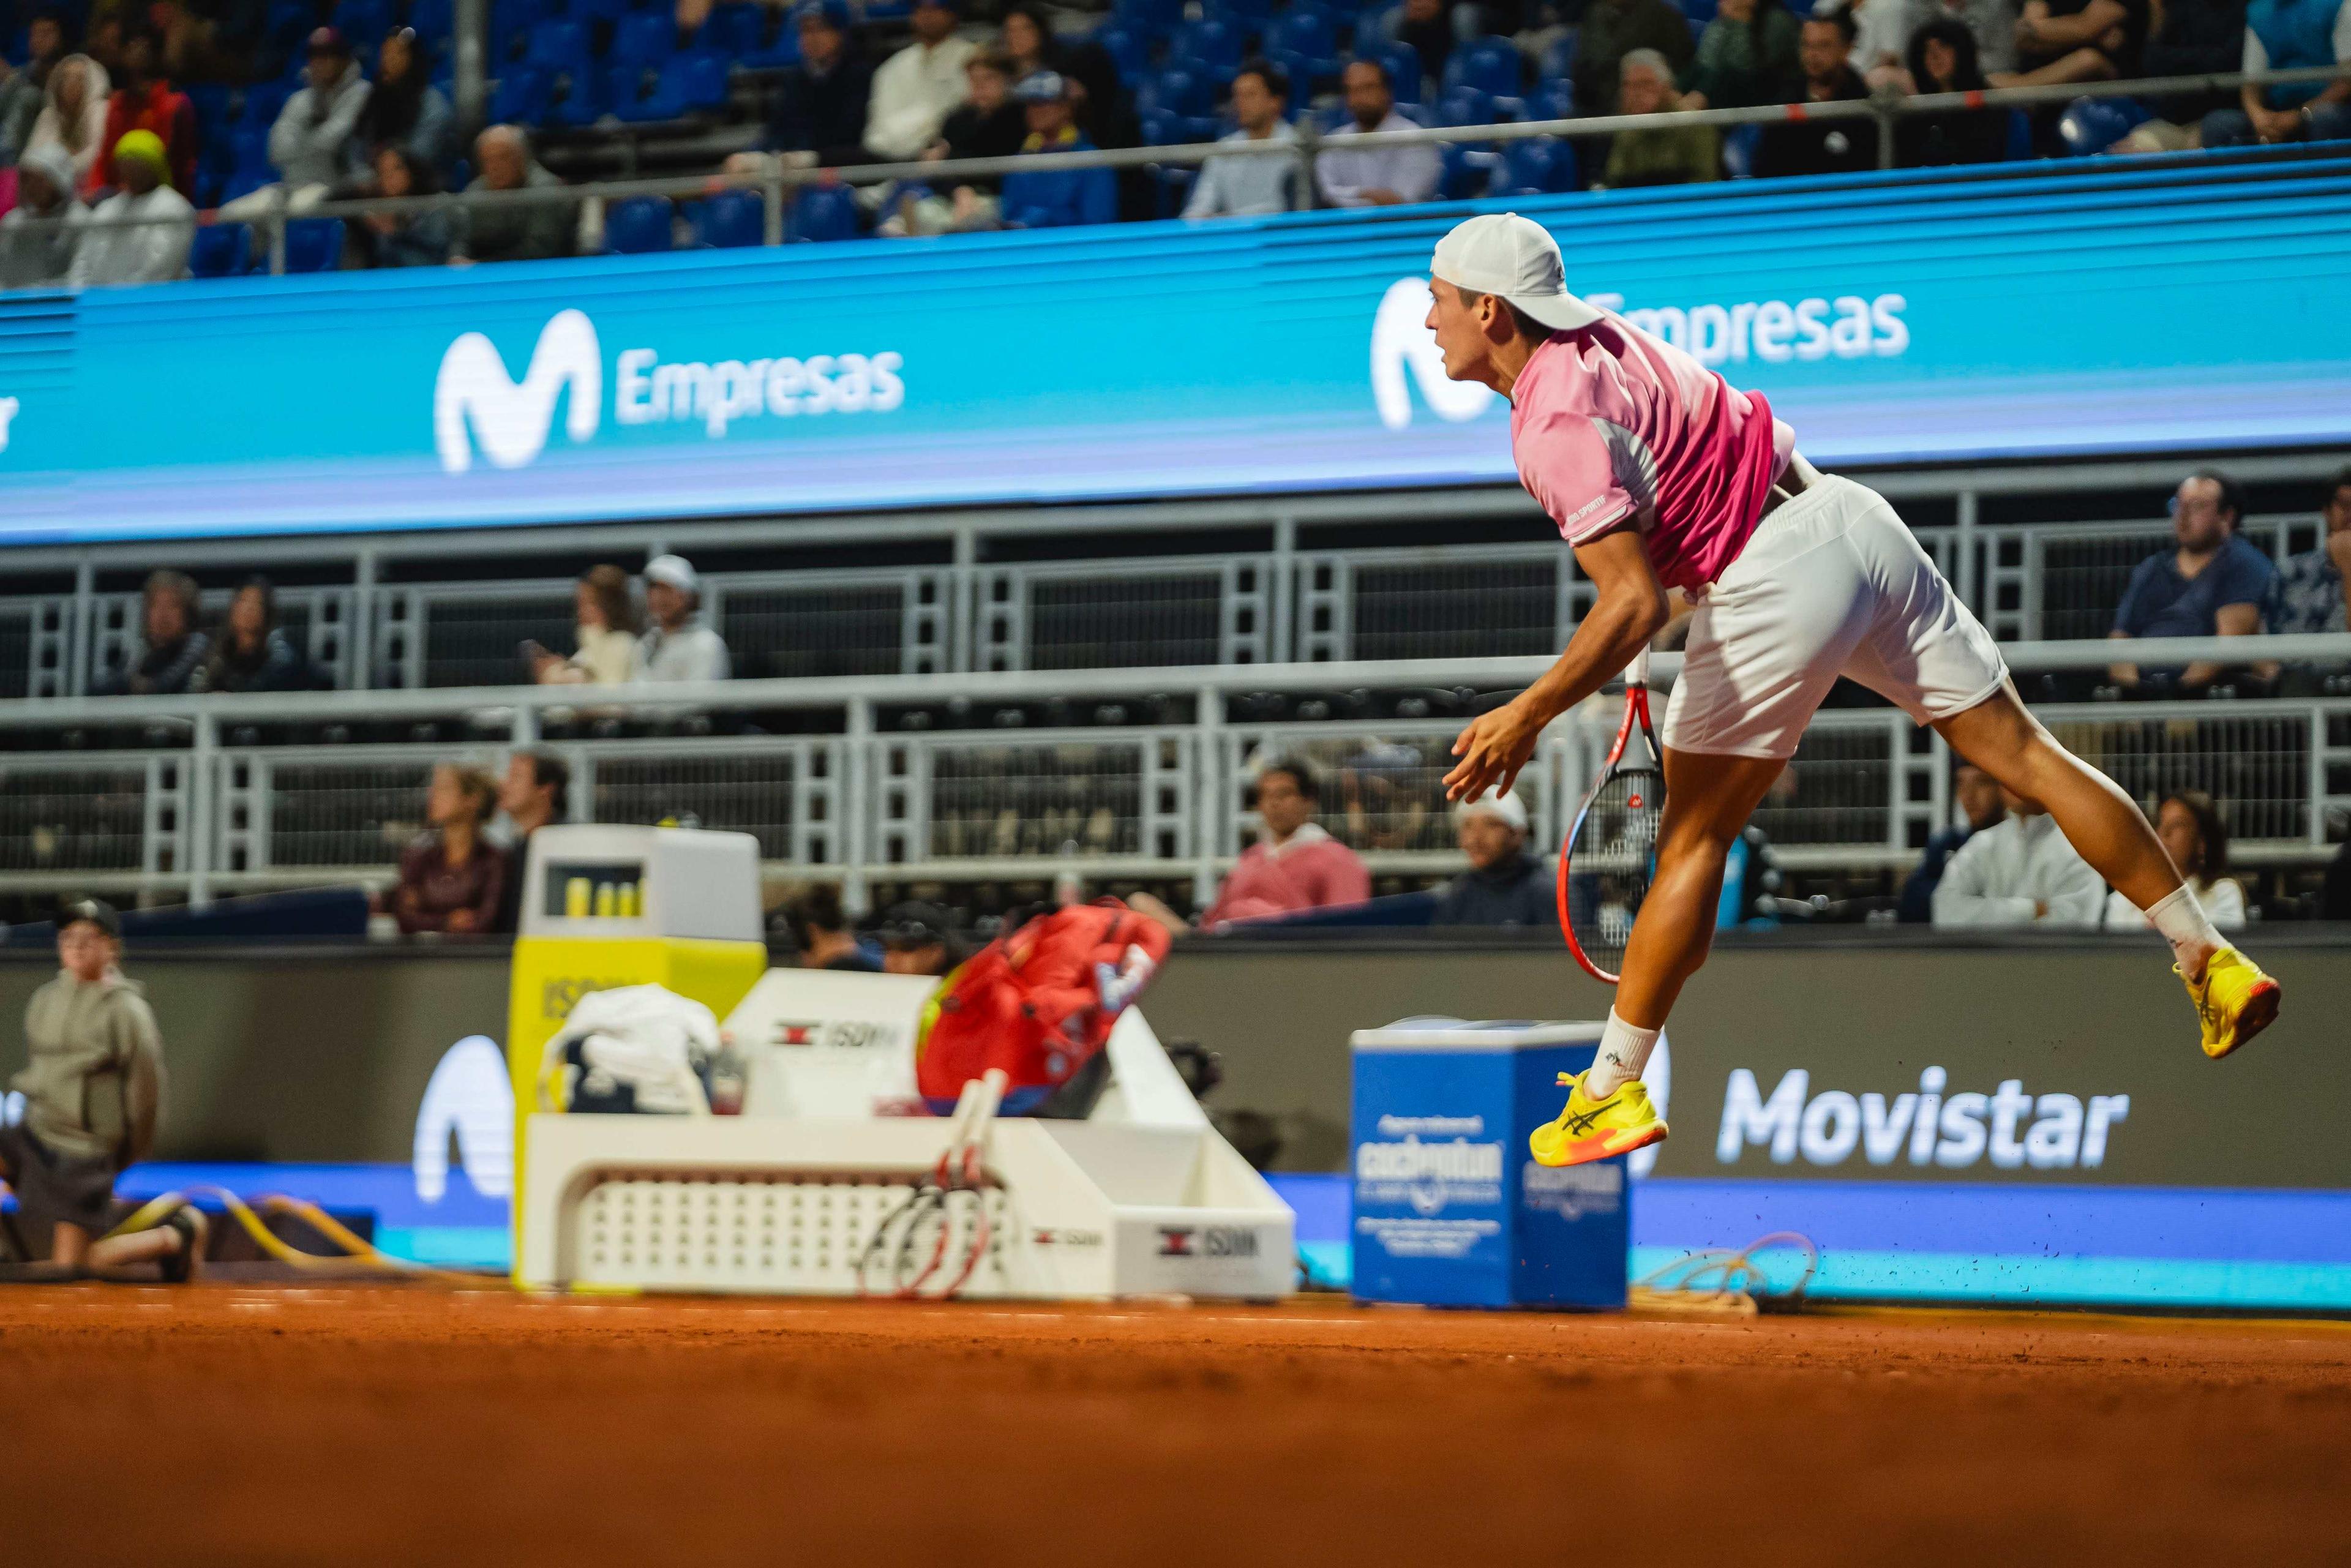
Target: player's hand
(1492,750)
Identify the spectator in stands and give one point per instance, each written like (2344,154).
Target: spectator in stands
(315,143)
(252,652)
(2075,41)
(1747,56)
(1686,155)
(1098,99)
(452,877)
(1245,185)
(404,109)
(1614,29)
(405,239)
(820,104)
(38,235)
(145,101)
(2289,35)
(24,92)
(73,118)
(1055,198)
(2311,591)
(917,89)
(1383,177)
(2189,824)
(1992,23)
(1977,799)
(2212,585)
(917,939)
(606,654)
(677,646)
(1882,30)
(988,124)
(1294,863)
(535,790)
(1426,27)
(1824,50)
(2020,872)
(171,650)
(1504,884)
(1943,59)
(514,231)
(118,244)
(821,934)
(2188,40)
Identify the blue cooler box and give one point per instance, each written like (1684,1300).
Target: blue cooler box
(1450,1208)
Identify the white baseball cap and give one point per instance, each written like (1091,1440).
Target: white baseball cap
(1504,254)
(1508,808)
(675,571)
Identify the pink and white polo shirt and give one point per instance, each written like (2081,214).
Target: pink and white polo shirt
(1609,424)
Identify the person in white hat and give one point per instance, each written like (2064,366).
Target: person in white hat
(677,646)
(1661,475)
(1504,884)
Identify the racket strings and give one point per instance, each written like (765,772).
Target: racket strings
(1610,860)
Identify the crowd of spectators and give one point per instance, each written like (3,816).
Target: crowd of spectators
(104,129)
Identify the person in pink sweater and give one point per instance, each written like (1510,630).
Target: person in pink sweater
(1295,863)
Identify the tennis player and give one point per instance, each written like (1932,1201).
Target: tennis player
(1661,475)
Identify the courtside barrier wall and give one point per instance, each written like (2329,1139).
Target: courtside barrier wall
(1908,317)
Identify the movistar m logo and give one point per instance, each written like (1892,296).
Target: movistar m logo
(510,420)
(1401,342)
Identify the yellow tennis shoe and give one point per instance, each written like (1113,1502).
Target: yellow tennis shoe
(1584,1132)
(2235,1001)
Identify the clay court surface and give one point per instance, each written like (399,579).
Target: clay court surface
(353,1424)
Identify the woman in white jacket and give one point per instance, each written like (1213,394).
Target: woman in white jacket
(75,117)
(2190,827)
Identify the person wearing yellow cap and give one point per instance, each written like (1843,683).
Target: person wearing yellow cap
(141,233)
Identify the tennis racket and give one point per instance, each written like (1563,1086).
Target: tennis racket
(1610,851)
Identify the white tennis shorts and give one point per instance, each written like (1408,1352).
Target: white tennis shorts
(1831,584)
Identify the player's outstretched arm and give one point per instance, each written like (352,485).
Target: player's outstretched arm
(1630,609)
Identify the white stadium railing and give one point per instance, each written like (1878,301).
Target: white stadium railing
(866,780)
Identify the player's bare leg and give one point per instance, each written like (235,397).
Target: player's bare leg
(2234,1001)
(1708,799)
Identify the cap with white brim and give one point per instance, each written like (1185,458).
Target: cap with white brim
(1516,259)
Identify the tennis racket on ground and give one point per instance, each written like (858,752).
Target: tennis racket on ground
(1610,851)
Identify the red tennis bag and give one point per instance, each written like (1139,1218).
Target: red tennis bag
(1039,1002)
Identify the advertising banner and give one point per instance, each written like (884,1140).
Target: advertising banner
(2008,312)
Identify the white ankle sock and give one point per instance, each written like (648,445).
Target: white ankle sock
(2184,924)
(1624,1052)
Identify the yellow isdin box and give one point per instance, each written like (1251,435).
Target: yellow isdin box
(606,906)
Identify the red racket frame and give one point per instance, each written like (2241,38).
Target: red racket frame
(1636,711)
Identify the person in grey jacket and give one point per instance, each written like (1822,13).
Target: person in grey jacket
(38,235)
(93,1092)
(514,231)
(315,140)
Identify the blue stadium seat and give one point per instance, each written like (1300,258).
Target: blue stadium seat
(1537,166)
(2020,137)
(693,83)
(287,21)
(644,37)
(221,250)
(1466,105)
(1303,42)
(1248,16)
(558,44)
(1404,67)
(1739,145)
(1212,43)
(628,92)
(1469,171)
(436,20)
(821,212)
(249,146)
(2091,125)
(733,30)
(1559,59)
(575,99)
(587,12)
(1699,12)
(1490,65)
(1151,18)
(1551,100)
(730,221)
(263,101)
(211,101)
(522,96)
(638,227)
(363,22)
(782,49)
(1175,90)
(514,19)
(1128,48)
(312,244)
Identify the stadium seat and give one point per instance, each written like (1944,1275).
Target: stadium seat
(638,227)
(1699,12)
(1303,42)
(312,244)
(522,96)
(644,37)
(1559,60)
(559,45)
(1490,64)
(589,12)
(1469,171)
(2020,137)
(287,21)
(249,149)
(211,101)
(1403,63)
(363,22)
(263,102)
(688,84)
(1150,18)
(1466,105)
(2091,125)
(821,212)
(732,31)
(1248,15)
(436,20)
(1175,90)
(513,19)
(1212,45)
(730,220)
(221,250)
(1536,166)
(1129,50)
(1739,145)
(781,48)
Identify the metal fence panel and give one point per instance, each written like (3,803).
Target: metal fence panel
(1079,798)
(61,815)
(782,791)
(1124,613)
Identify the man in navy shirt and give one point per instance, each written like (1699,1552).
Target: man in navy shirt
(2212,585)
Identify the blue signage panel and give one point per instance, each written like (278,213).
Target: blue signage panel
(2130,306)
